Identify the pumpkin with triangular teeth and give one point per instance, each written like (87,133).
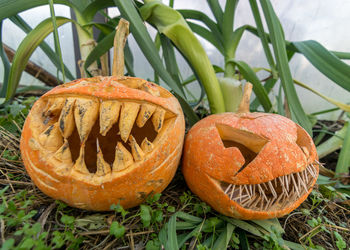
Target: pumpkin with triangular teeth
(250,165)
(100,141)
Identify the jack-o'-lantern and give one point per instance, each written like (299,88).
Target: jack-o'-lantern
(100,141)
(250,165)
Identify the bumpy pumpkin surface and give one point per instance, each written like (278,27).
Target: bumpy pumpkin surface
(100,141)
(250,165)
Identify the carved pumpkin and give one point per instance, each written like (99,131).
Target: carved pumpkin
(75,150)
(100,141)
(250,165)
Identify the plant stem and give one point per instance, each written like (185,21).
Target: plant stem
(244,105)
(121,34)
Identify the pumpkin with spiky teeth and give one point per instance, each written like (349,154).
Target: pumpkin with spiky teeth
(100,141)
(250,165)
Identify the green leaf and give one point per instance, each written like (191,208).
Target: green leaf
(172,243)
(117,230)
(145,215)
(7,66)
(207,35)
(67,220)
(249,74)
(44,46)
(270,225)
(56,38)
(217,11)
(263,37)
(278,43)
(8,244)
(10,8)
(224,238)
(170,59)
(333,143)
(245,225)
(343,164)
(326,62)
(25,50)
(170,22)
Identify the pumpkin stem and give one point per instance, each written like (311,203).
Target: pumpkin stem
(244,104)
(122,31)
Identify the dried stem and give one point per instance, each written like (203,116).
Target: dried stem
(121,34)
(244,105)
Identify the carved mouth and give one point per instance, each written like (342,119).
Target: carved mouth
(95,136)
(275,194)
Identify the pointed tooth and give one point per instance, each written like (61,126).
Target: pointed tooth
(54,106)
(145,113)
(146,146)
(158,119)
(273,191)
(123,158)
(51,139)
(103,167)
(85,115)
(109,114)
(232,191)
(136,151)
(63,154)
(66,120)
(127,119)
(80,165)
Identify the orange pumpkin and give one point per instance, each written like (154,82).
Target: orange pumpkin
(250,165)
(100,141)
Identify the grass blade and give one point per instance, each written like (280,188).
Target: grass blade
(44,46)
(171,23)
(278,43)
(326,62)
(258,89)
(25,50)
(7,66)
(169,58)
(56,39)
(172,243)
(343,164)
(269,84)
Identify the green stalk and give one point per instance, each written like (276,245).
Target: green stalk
(86,40)
(172,24)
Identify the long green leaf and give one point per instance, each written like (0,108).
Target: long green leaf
(258,89)
(343,164)
(263,37)
(333,143)
(169,58)
(217,11)
(25,50)
(171,23)
(326,62)
(44,46)
(269,84)
(172,243)
(143,39)
(224,238)
(6,63)
(56,38)
(207,35)
(10,8)
(200,16)
(278,43)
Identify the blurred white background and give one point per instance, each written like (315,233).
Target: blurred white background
(322,20)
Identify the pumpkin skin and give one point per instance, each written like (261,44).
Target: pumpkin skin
(75,147)
(231,161)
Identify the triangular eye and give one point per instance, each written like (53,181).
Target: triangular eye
(248,143)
